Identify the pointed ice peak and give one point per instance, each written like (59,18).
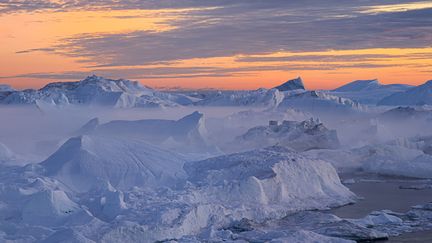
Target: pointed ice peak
(292,84)
(191,123)
(192,118)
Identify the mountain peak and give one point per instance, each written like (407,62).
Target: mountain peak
(192,120)
(292,84)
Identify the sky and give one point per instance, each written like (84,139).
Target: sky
(223,44)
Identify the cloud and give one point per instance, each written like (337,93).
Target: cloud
(397,7)
(189,72)
(365,6)
(252,32)
(47,49)
(226,28)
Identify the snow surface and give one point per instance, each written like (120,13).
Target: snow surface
(83,162)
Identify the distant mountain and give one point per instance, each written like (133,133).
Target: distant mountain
(96,90)
(368,91)
(292,84)
(420,95)
(6,88)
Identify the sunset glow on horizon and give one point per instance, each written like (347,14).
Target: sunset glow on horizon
(214,44)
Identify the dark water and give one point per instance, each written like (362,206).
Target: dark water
(416,237)
(384,193)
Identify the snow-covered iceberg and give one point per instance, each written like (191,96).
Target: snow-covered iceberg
(186,135)
(87,161)
(301,136)
(267,183)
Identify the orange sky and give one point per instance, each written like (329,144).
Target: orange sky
(25,31)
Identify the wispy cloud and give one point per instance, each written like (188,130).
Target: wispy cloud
(402,7)
(319,58)
(253,34)
(47,49)
(189,72)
